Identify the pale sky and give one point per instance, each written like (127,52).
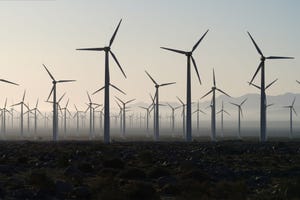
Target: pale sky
(37,32)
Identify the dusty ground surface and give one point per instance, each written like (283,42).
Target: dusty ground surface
(148,170)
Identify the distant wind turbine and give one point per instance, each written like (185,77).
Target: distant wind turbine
(173,117)
(124,114)
(292,109)
(240,113)
(189,55)
(198,111)
(263,101)
(77,119)
(222,111)
(156,116)
(22,112)
(107,51)
(36,111)
(54,102)
(66,110)
(213,106)
(183,116)
(147,109)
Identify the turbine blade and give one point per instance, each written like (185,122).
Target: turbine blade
(196,45)
(37,103)
(98,90)
(6,81)
(170,106)
(117,88)
(151,78)
(16,104)
(129,101)
(49,73)
(257,48)
(180,100)
(206,94)
(234,104)
(226,112)
(243,102)
(65,81)
(67,103)
(257,70)
(241,110)
(174,50)
(115,33)
(271,83)
(120,100)
(75,108)
(223,92)
(279,57)
(119,105)
(165,84)
(254,85)
(214,78)
(115,58)
(270,104)
(219,112)
(50,92)
(24,95)
(298,81)
(202,112)
(294,111)
(91,49)
(5,103)
(196,69)
(294,101)
(61,98)
(90,100)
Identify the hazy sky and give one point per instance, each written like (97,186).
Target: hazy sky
(37,32)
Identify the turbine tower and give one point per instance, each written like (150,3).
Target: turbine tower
(189,55)
(36,111)
(292,109)
(263,101)
(156,109)
(222,111)
(240,113)
(183,116)
(54,102)
(213,106)
(107,51)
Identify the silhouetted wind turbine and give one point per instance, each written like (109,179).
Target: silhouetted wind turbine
(189,55)
(65,109)
(36,111)
(53,90)
(240,113)
(4,110)
(197,111)
(91,108)
(292,109)
(183,116)
(77,119)
(173,117)
(222,111)
(156,116)
(147,109)
(107,50)
(124,113)
(22,112)
(213,106)
(263,101)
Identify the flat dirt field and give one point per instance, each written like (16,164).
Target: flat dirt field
(149,170)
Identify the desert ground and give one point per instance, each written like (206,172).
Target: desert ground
(167,170)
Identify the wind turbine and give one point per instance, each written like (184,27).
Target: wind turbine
(222,111)
(240,113)
(183,116)
(156,116)
(77,121)
(263,102)
(65,109)
(198,111)
(36,111)
(53,90)
(147,109)
(173,117)
(120,115)
(292,109)
(189,55)
(107,51)
(22,112)
(213,106)
(4,110)
(92,117)
(124,113)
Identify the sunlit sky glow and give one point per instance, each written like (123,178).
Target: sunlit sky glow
(37,32)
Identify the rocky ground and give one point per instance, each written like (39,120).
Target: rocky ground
(148,170)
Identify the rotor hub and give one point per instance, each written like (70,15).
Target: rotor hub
(106,48)
(189,53)
(262,58)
